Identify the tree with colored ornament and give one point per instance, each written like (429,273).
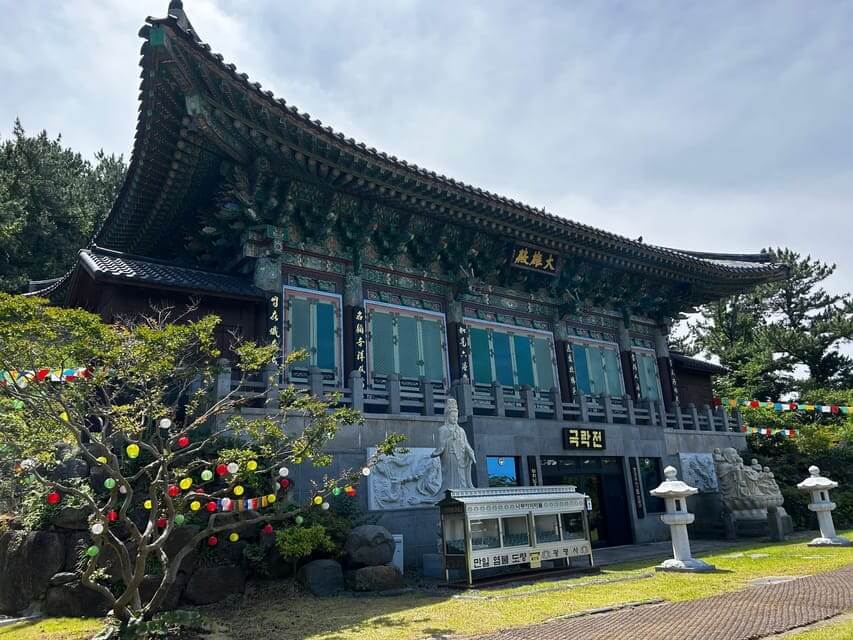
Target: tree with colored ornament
(142,410)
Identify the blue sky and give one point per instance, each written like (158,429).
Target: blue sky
(722,126)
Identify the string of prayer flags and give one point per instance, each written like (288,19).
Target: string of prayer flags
(784,406)
(771,431)
(23,378)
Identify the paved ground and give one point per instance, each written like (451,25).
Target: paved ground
(634,552)
(741,615)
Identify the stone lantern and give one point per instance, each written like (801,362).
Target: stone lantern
(819,488)
(674,493)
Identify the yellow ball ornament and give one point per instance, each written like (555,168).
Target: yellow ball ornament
(195,505)
(271,498)
(148,505)
(318,500)
(238,490)
(251,465)
(186,483)
(63,416)
(234,537)
(132,450)
(102,459)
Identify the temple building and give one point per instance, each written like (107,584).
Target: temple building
(408,288)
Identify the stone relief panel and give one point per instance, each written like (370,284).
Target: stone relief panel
(404,481)
(698,471)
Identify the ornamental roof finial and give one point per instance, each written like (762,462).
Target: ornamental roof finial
(176,9)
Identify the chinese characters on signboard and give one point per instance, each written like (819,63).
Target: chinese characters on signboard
(535,259)
(359,340)
(575,438)
(638,489)
(464,351)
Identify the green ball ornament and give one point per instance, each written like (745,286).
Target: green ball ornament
(299,519)
(179,519)
(336,491)
(207,475)
(110,483)
(93,551)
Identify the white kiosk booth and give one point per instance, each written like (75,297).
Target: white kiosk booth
(487,529)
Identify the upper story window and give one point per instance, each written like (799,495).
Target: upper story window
(409,342)
(511,356)
(647,369)
(312,321)
(597,368)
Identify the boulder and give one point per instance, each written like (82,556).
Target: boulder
(382,578)
(27,563)
(73,599)
(149,586)
(212,584)
(322,577)
(76,544)
(72,518)
(64,577)
(181,536)
(68,469)
(369,546)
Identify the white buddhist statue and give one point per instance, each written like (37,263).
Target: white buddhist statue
(457,456)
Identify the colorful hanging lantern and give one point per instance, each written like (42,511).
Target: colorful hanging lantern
(299,519)
(183,442)
(212,541)
(102,459)
(148,505)
(132,450)
(234,537)
(122,489)
(365,471)
(349,490)
(54,497)
(252,465)
(267,529)
(239,490)
(165,423)
(284,482)
(233,467)
(211,507)
(318,500)
(186,483)
(112,516)
(97,528)
(271,498)
(93,551)
(283,472)
(161,523)
(110,483)
(180,519)
(325,506)
(221,469)
(336,491)
(297,460)
(195,505)
(173,491)
(207,475)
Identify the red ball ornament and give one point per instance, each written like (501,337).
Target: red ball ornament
(173,491)
(350,492)
(284,482)
(267,529)
(112,516)
(221,469)
(54,497)
(212,541)
(211,507)
(161,523)
(183,441)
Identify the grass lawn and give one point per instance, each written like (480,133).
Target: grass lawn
(52,629)
(842,630)
(273,613)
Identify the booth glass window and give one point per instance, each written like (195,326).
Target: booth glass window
(312,322)
(512,357)
(547,528)
(515,531)
(647,367)
(485,534)
(454,534)
(503,471)
(597,368)
(651,476)
(409,343)
(572,526)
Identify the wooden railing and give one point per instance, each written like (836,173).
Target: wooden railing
(392,396)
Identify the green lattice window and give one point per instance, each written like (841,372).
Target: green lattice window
(312,322)
(407,342)
(597,368)
(511,356)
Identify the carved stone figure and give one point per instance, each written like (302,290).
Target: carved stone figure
(404,480)
(747,491)
(457,456)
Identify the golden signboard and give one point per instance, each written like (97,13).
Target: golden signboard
(535,259)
